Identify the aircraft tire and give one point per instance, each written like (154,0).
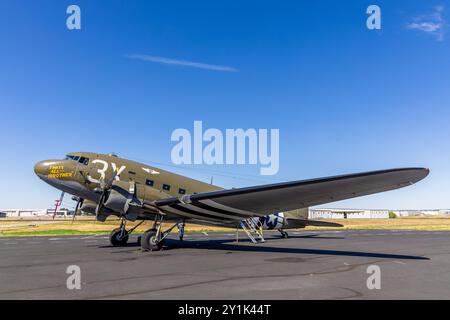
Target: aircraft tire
(284,234)
(149,243)
(116,240)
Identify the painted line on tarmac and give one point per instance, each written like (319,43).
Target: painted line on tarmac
(88,237)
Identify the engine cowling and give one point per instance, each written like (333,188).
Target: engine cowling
(90,206)
(127,198)
(117,199)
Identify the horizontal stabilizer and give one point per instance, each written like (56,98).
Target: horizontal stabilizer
(293,223)
(322,223)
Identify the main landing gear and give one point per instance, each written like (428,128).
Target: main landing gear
(119,236)
(153,239)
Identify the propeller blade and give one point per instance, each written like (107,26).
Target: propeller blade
(100,203)
(111,180)
(105,186)
(108,184)
(79,203)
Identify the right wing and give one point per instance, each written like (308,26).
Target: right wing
(242,203)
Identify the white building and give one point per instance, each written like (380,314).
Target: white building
(27,213)
(326,213)
(419,213)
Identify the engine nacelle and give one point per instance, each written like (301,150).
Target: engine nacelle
(90,206)
(127,198)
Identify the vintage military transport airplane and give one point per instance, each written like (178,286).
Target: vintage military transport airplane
(107,185)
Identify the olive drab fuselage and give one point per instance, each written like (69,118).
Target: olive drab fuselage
(82,174)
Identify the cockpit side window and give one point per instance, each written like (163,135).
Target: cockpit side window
(83,160)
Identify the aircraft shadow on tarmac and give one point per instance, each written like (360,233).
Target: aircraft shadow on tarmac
(231,245)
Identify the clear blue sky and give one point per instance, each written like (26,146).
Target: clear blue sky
(345,99)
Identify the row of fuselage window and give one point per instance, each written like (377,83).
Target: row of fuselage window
(165,187)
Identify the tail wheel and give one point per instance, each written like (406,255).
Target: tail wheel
(149,242)
(117,239)
(284,234)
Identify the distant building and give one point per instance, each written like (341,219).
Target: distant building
(420,213)
(25,213)
(325,213)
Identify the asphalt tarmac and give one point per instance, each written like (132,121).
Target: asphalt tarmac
(308,265)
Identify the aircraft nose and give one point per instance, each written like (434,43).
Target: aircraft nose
(41,168)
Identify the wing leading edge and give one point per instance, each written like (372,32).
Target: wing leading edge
(238,204)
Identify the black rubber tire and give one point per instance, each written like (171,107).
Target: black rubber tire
(148,241)
(115,240)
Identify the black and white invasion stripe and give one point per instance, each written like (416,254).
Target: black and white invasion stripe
(206,210)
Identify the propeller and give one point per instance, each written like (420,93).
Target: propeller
(105,187)
(77,207)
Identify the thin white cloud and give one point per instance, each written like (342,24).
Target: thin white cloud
(433,23)
(184,63)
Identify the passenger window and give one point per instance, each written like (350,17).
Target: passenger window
(83,160)
(166,187)
(150,183)
(181,191)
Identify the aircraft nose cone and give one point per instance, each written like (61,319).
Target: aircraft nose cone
(41,168)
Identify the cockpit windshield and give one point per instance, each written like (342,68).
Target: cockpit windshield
(71,157)
(82,160)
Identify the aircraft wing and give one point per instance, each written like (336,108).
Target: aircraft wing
(242,203)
